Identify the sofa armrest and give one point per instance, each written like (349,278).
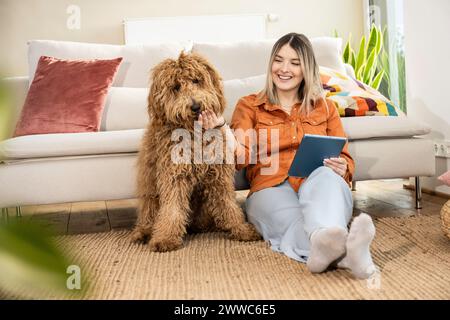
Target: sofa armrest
(350,71)
(17,89)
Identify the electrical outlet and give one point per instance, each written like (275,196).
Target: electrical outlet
(436,149)
(442,149)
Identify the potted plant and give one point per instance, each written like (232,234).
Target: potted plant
(370,61)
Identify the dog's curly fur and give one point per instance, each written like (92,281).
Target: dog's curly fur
(174,197)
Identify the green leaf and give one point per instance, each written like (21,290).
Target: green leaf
(373,70)
(335,33)
(377,80)
(385,39)
(5,111)
(379,44)
(352,58)
(361,54)
(360,73)
(346,54)
(373,38)
(30,260)
(31,244)
(384,63)
(369,66)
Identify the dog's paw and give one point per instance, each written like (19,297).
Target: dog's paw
(139,236)
(246,232)
(165,245)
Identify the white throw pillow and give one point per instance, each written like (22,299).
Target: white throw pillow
(126,108)
(237,60)
(134,70)
(238,88)
(328,52)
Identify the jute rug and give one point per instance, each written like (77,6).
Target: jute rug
(412,254)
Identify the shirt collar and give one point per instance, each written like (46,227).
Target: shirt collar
(266,103)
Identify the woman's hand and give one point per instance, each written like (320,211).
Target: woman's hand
(339,165)
(209,120)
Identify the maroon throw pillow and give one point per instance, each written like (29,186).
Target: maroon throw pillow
(66,96)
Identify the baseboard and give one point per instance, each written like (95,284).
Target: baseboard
(427,191)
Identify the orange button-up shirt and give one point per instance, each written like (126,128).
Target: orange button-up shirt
(274,129)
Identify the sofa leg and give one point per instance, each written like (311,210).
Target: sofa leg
(418,193)
(18,212)
(4,215)
(353,185)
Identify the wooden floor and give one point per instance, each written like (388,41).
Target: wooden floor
(380,198)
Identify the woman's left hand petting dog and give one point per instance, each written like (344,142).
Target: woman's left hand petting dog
(176,188)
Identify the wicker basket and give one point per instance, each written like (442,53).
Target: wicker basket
(445,218)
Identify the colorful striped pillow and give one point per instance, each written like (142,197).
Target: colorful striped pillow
(354,98)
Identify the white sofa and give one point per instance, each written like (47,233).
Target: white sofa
(57,168)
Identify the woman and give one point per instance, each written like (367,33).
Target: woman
(306,219)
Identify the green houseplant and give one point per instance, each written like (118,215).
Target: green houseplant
(4,111)
(30,261)
(370,61)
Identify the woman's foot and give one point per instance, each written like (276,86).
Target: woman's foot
(358,258)
(327,245)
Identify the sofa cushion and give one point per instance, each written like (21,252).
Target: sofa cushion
(71,144)
(109,142)
(126,108)
(238,88)
(354,98)
(328,53)
(236,60)
(358,128)
(137,59)
(66,96)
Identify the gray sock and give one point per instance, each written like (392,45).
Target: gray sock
(358,258)
(327,245)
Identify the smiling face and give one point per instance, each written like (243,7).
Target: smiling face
(286,70)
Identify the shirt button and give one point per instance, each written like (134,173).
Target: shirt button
(293,137)
(270,122)
(293,123)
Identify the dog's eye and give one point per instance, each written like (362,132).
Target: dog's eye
(196,81)
(177,87)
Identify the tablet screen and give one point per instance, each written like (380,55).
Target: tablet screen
(311,152)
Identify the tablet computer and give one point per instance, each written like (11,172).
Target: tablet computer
(311,152)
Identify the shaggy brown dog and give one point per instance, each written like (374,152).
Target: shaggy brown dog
(174,196)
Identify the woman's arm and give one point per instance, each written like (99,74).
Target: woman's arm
(240,142)
(335,128)
(209,120)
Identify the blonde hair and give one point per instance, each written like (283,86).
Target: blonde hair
(310,89)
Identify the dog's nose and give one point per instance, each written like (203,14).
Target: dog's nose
(195,106)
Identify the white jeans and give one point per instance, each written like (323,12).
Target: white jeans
(287,219)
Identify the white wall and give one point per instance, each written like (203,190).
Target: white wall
(427,50)
(101,20)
